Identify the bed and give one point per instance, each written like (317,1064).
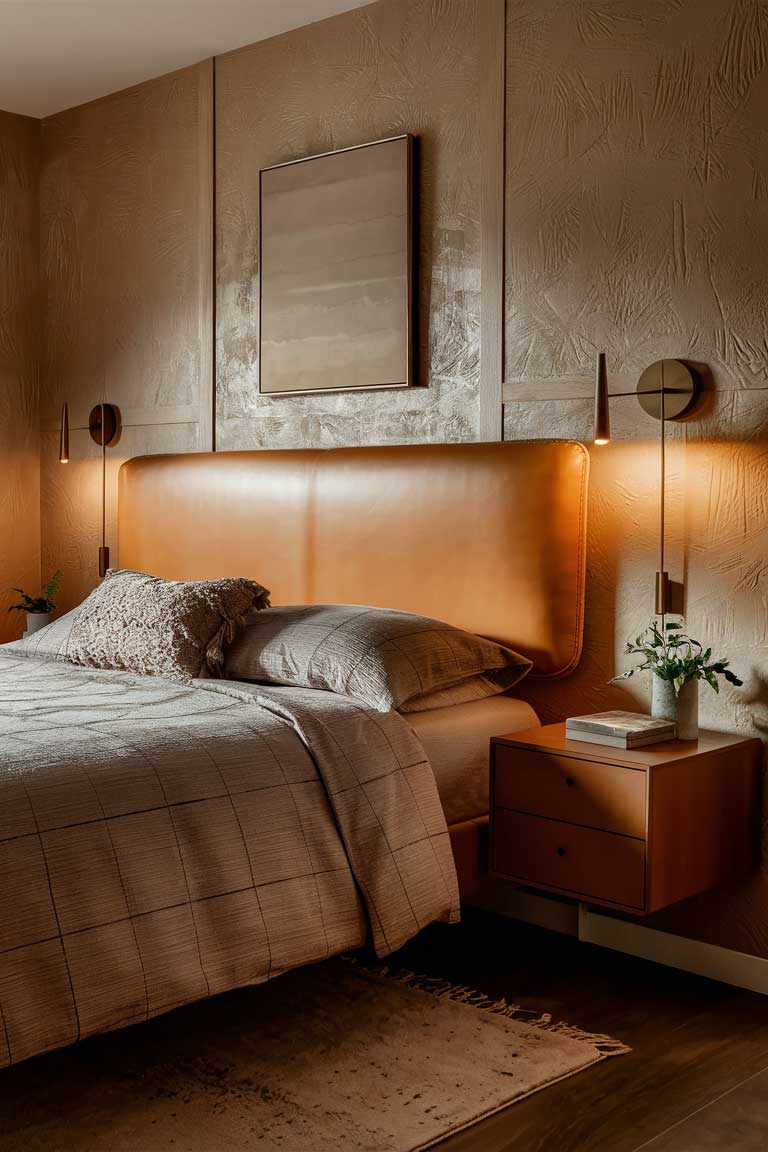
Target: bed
(160,843)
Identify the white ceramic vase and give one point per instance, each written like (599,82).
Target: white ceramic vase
(682,707)
(36,621)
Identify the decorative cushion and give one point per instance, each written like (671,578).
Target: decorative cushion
(387,659)
(50,642)
(139,623)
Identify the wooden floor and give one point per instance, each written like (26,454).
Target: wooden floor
(696,1080)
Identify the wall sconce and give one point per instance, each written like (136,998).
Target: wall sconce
(64,436)
(104,426)
(667,390)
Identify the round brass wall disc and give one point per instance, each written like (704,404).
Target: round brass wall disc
(111,423)
(680,389)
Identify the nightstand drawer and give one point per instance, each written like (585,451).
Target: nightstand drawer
(603,796)
(578,860)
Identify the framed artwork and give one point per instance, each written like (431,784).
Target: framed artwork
(336,270)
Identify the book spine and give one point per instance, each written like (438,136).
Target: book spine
(585,726)
(652,738)
(620,741)
(597,738)
(620,733)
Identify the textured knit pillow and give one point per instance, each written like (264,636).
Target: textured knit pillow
(139,623)
(382,657)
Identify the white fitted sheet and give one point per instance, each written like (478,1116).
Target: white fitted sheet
(456,740)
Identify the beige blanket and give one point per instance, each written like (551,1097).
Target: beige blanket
(160,844)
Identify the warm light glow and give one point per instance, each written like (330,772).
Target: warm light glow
(63,459)
(601,442)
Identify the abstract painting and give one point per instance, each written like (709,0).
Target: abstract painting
(336,270)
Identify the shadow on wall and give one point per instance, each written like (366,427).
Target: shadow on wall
(755,697)
(726,540)
(622,556)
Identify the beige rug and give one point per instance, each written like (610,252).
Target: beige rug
(325,1059)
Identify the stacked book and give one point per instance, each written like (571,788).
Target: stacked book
(620,729)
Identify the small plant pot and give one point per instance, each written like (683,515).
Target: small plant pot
(682,707)
(36,621)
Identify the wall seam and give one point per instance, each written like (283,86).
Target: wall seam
(492,15)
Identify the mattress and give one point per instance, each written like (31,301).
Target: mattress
(456,741)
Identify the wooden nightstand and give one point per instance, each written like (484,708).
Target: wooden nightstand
(632,830)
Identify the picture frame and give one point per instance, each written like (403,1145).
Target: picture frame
(336,270)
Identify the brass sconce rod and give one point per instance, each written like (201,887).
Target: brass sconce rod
(662,577)
(104,426)
(103,550)
(667,390)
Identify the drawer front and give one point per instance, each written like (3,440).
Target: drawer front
(582,861)
(563,788)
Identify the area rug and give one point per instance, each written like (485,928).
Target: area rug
(325,1059)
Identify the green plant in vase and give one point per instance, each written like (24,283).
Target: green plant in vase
(677,663)
(39,608)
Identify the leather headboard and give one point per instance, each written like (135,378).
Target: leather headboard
(489,537)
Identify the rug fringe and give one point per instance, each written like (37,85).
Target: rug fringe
(461,994)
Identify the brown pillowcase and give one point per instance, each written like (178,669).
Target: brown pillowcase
(387,659)
(139,623)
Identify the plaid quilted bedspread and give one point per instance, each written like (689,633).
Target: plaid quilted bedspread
(159,844)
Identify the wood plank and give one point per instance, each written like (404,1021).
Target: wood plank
(581,862)
(738,1120)
(79,412)
(552,738)
(583,388)
(492,17)
(206,231)
(692,1039)
(703,822)
(565,388)
(584,792)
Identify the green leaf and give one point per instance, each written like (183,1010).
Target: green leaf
(667,651)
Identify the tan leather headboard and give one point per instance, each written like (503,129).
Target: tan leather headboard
(489,537)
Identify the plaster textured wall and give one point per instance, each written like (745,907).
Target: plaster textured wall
(19,317)
(125,297)
(397,66)
(637,221)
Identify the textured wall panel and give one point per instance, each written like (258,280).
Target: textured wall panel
(637,221)
(124,218)
(19,319)
(397,66)
(637,187)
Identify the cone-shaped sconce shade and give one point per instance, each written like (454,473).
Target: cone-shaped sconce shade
(602,415)
(64,436)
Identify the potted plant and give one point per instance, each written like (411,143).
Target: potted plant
(38,608)
(678,663)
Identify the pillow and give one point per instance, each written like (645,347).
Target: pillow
(50,642)
(474,688)
(139,623)
(384,658)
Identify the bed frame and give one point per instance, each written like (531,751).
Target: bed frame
(488,537)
